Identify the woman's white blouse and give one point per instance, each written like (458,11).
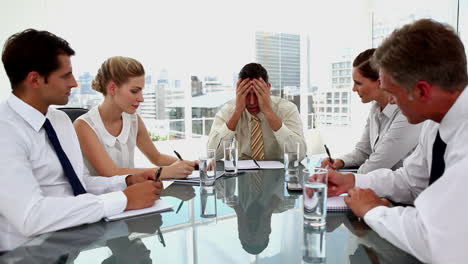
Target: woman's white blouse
(121,149)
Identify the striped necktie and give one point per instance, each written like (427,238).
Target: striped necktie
(256,139)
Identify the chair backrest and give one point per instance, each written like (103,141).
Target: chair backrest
(314,142)
(73,112)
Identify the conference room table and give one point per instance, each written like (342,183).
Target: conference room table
(248,218)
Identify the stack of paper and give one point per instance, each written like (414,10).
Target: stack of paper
(159,206)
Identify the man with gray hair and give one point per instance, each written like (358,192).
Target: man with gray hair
(423,68)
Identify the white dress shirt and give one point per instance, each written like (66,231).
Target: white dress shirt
(435,230)
(35,195)
(387,140)
(290,132)
(121,149)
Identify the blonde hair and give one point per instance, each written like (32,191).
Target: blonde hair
(117,69)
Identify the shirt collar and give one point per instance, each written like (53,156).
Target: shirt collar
(457,113)
(389,110)
(107,138)
(30,114)
(249,115)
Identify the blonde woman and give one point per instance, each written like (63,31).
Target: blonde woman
(110,132)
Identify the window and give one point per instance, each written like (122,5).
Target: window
(192,67)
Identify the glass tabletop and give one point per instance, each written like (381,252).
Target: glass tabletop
(250,218)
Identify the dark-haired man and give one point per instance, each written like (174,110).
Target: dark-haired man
(43,187)
(423,67)
(261,123)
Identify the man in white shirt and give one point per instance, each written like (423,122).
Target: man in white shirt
(262,124)
(43,187)
(423,67)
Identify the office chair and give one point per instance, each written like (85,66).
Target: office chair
(73,112)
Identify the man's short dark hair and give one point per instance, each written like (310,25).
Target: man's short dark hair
(424,50)
(33,50)
(253,71)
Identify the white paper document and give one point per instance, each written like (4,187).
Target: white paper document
(259,164)
(159,206)
(194,178)
(337,204)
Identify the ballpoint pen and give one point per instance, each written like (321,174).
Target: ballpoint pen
(196,167)
(178,155)
(256,163)
(180,206)
(328,153)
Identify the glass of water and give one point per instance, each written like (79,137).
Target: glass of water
(231,156)
(291,161)
(315,197)
(207,164)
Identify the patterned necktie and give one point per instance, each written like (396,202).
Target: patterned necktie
(256,139)
(438,163)
(64,161)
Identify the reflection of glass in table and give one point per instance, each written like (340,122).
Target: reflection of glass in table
(257,220)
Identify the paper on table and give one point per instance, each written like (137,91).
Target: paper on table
(337,204)
(194,178)
(159,206)
(245,165)
(270,164)
(262,164)
(167,184)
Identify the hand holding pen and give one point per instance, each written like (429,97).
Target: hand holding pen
(330,162)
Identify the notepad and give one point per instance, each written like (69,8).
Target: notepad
(194,178)
(158,207)
(259,164)
(337,204)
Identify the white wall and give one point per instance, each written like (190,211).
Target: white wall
(16,16)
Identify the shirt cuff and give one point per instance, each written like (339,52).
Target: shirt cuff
(283,132)
(113,203)
(362,180)
(374,214)
(118,182)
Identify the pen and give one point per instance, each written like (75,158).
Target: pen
(180,206)
(328,153)
(256,163)
(178,155)
(158,173)
(180,158)
(161,238)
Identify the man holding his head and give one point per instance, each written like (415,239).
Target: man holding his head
(423,68)
(261,123)
(43,187)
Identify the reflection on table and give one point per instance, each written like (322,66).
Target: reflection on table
(250,218)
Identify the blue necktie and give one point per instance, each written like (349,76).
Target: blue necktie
(438,163)
(64,161)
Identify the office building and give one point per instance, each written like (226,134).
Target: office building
(332,107)
(280,54)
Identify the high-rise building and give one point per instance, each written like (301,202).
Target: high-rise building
(154,105)
(197,86)
(84,95)
(332,107)
(280,54)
